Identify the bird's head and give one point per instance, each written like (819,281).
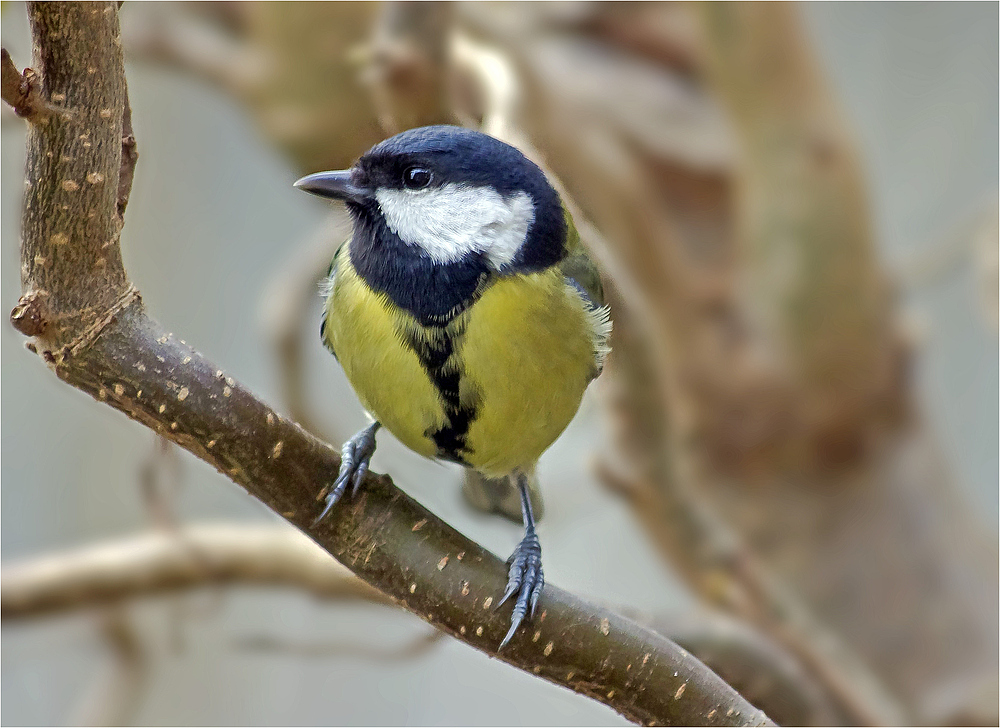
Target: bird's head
(451,196)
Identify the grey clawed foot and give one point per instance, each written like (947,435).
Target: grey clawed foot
(525,579)
(354,459)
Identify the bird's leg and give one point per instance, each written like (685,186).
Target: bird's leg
(354,458)
(525,578)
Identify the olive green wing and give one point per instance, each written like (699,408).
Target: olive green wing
(326,290)
(581,273)
(579,268)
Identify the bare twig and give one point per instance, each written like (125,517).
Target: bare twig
(115,696)
(284,308)
(159,493)
(416,648)
(98,339)
(189,557)
(20,90)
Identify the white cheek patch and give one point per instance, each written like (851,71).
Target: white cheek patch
(451,221)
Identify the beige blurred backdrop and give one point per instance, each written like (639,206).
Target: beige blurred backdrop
(212,217)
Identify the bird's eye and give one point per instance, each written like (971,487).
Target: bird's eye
(416,178)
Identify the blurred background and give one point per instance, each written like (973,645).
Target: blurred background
(790,464)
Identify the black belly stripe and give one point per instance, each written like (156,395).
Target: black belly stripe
(450,439)
(435,348)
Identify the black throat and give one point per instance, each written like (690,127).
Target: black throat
(432,292)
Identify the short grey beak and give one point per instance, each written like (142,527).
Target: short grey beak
(337,185)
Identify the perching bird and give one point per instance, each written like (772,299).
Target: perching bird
(464,311)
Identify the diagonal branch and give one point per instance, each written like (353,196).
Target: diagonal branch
(155,563)
(93,332)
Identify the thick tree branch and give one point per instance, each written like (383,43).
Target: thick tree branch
(95,335)
(382,535)
(156,563)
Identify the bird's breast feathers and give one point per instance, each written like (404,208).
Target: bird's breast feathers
(493,387)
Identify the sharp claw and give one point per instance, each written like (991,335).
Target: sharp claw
(515,622)
(358,477)
(330,503)
(535,594)
(512,588)
(354,457)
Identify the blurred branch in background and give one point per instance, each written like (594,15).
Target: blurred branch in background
(815,295)
(284,311)
(972,241)
(405,65)
(309,102)
(892,547)
(417,648)
(116,693)
(160,482)
(89,325)
(189,557)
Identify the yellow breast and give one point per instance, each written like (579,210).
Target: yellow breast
(518,362)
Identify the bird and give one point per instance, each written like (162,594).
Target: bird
(465,312)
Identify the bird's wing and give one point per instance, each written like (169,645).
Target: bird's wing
(579,267)
(581,272)
(326,290)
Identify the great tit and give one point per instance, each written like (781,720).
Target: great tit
(464,311)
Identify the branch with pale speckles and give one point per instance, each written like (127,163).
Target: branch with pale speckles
(90,327)
(216,555)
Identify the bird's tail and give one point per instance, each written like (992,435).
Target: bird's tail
(500,495)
